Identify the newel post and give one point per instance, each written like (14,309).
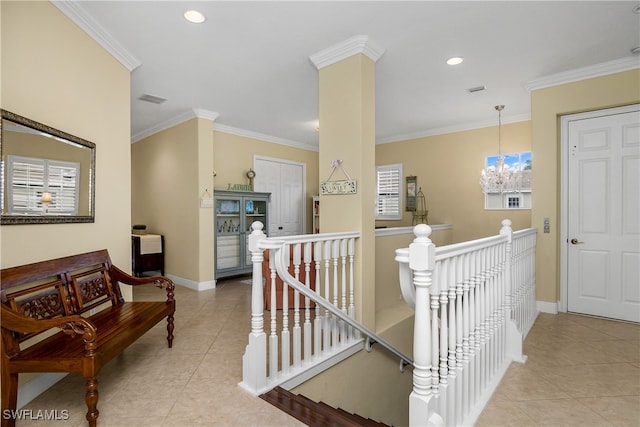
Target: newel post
(422,263)
(254,366)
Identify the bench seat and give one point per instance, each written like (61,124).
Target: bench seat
(48,323)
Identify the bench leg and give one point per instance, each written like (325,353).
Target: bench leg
(170,330)
(9,399)
(91,397)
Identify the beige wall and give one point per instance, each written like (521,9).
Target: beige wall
(170,171)
(54,73)
(547,105)
(448,170)
(234,154)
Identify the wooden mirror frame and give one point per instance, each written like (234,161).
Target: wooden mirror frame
(9,219)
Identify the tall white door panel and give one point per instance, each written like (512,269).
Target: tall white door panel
(285,181)
(603,248)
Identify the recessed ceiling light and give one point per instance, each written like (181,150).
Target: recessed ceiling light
(636,9)
(194,16)
(455,60)
(636,50)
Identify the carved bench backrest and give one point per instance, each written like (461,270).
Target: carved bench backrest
(71,285)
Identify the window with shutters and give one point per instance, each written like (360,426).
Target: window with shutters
(28,178)
(388,192)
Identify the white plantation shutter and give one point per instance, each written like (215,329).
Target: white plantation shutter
(29,177)
(389,196)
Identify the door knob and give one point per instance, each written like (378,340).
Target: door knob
(575,242)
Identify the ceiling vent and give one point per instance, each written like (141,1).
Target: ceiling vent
(152,98)
(476,89)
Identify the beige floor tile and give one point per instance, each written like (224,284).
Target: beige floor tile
(615,379)
(561,412)
(501,412)
(619,410)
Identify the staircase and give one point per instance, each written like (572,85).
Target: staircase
(314,414)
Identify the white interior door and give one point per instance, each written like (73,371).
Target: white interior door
(603,213)
(285,181)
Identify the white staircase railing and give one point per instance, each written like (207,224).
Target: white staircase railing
(312,329)
(474,304)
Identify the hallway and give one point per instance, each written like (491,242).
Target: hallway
(581,371)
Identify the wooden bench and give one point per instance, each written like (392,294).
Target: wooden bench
(72,313)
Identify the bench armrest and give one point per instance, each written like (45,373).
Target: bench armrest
(70,325)
(159,281)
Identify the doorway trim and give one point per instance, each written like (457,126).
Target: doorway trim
(564,192)
(304,182)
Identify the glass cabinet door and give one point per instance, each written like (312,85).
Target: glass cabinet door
(228,223)
(256,210)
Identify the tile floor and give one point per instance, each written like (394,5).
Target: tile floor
(581,371)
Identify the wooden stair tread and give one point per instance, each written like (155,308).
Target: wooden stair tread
(315,414)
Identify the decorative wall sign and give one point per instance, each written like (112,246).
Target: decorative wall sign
(411,191)
(338,187)
(328,187)
(239,187)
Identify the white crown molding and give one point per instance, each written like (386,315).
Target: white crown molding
(174,121)
(597,70)
(83,20)
(454,128)
(345,49)
(262,137)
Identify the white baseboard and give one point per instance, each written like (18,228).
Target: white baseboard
(547,307)
(196,286)
(38,385)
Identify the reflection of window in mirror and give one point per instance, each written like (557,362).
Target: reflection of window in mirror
(506,181)
(28,179)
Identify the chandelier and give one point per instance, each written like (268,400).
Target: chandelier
(500,177)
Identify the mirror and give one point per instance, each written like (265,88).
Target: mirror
(48,176)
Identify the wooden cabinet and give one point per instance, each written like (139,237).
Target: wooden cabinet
(147,253)
(234,213)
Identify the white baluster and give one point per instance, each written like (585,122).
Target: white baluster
(335,254)
(317,321)
(352,308)
(307,302)
(435,341)
(326,254)
(273,336)
(343,294)
(444,337)
(442,276)
(297,330)
(286,335)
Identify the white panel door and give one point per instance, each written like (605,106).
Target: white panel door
(604,215)
(285,181)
